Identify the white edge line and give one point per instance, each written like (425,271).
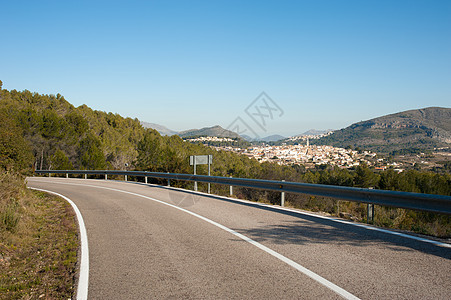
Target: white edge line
(368,227)
(340,291)
(83,279)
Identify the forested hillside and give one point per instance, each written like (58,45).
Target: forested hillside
(423,129)
(63,136)
(46,131)
(58,135)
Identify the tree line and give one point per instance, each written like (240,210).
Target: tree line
(46,131)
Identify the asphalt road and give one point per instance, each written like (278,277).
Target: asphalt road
(142,248)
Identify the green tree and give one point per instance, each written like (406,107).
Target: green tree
(60,161)
(51,125)
(151,153)
(15,153)
(78,123)
(337,176)
(364,177)
(90,153)
(389,180)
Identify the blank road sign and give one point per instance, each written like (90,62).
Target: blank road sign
(200,159)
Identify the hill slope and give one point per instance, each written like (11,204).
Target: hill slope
(420,128)
(273,138)
(160,128)
(315,132)
(209,131)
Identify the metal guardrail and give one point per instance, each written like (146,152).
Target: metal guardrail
(416,201)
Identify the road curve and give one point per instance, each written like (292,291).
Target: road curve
(142,247)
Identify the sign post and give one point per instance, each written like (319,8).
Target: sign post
(195,160)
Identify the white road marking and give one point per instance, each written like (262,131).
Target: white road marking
(83,279)
(340,291)
(368,227)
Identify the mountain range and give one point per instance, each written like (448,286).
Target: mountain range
(216,130)
(221,132)
(425,128)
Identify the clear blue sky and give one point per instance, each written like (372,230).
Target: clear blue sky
(191,64)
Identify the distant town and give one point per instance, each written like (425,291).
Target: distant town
(306,154)
(309,155)
(309,137)
(204,139)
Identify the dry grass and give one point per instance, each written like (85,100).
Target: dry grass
(432,224)
(38,251)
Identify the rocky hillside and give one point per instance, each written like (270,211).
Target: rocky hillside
(425,128)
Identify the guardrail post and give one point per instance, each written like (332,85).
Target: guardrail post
(125,177)
(231,188)
(106,176)
(370,213)
(49,174)
(86,176)
(67,175)
(282,198)
(145,179)
(169,181)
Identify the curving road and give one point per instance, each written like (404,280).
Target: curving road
(151,242)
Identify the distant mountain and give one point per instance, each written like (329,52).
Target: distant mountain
(217,131)
(316,132)
(160,128)
(209,131)
(425,128)
(273,138)
(247,138)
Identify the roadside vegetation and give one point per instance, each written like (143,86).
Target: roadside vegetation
(38,243)
(57,135)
